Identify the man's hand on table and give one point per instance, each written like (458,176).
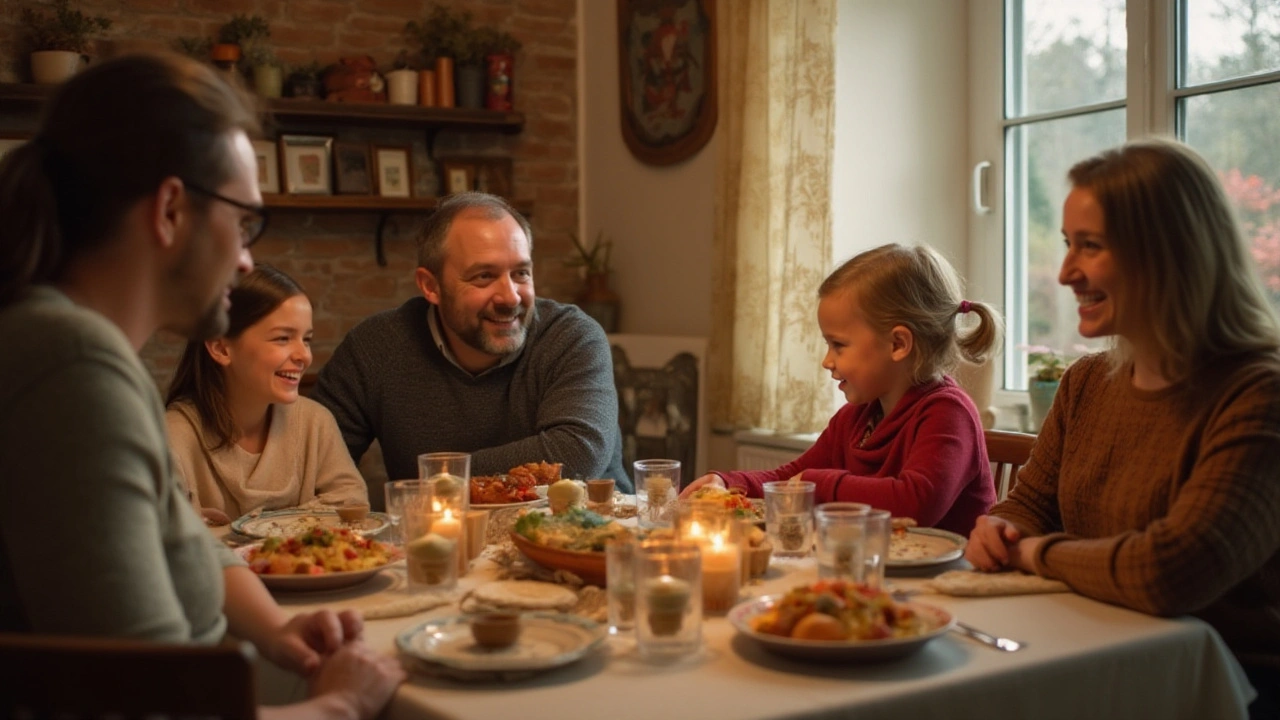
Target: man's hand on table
(359,678)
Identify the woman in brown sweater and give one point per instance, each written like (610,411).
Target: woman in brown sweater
(1155,481)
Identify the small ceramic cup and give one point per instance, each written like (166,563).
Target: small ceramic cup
(496,630)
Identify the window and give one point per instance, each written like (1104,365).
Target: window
(1082,76)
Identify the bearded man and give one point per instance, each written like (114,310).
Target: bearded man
(478,364)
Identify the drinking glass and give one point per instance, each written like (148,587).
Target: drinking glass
(400,492)
(449,474)
(668,576)
(657,485)
(788,517)
(876,552)
(620,585)
(840,530)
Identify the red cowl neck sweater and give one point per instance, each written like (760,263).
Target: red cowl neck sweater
(927,460)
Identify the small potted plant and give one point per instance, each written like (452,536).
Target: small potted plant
(58,38)
(268,73)
(235,36)
(402,81)
(1047,368)
(304,81)
(438,38)
(597,299)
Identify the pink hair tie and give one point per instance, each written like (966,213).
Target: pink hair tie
(964,306)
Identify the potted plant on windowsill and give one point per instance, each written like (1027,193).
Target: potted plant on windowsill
(597,299)
(1048,366)
(58,38)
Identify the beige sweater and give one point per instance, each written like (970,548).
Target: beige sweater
(304,459)
(1167,502)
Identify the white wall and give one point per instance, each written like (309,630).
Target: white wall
(660,218)
(901,169)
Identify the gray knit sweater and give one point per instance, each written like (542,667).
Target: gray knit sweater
(555,402)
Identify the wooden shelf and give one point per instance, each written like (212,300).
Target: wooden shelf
(290,110)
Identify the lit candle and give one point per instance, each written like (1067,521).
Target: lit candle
(447,526)
(667,598)
(721,574)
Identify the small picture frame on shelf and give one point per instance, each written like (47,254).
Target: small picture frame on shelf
(267,153)
(11,142)
(351,168)
(483,174)
(307,163)
(393,168)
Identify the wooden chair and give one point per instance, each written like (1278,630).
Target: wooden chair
(80,677)
(1008,452)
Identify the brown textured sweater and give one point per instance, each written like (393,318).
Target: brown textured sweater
(1167,502)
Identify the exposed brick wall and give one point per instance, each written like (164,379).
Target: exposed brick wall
(333,254)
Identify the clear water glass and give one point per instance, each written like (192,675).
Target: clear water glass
(657,486)
(840,533)
(399,494)
(788,517)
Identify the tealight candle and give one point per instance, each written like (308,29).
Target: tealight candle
(721,574)
(448,526)
(667,598)
(429,557)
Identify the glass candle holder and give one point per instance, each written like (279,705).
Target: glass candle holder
(620,583)
(657,485)
(449,475)
(788,517)
(668,587)
(712,526)
(840,534)
(431,558)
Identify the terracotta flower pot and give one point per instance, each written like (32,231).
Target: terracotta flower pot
(50,67)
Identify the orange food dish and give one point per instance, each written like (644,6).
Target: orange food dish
(518,485)
(839,611)
(317,552)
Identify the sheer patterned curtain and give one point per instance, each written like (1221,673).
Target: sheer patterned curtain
(773,213)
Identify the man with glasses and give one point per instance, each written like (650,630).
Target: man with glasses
(132,210)
(478,363)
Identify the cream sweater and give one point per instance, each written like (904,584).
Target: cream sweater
(304,459)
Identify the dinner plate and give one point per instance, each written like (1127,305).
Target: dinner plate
(546,641)
(590,566)
(287,523)
(938,621)
(504,506)
(922,546)
(324,581)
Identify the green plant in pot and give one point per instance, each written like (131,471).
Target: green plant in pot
(304,81)
(1047,368)
(58,37)
(235,37)
(265,67)
(468,51)
(597,299)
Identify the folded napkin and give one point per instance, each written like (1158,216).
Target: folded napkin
(972,583)
(408,606)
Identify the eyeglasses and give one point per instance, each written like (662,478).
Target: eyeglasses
(251,226)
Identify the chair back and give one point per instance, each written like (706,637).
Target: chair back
(82,677)
(1008,452)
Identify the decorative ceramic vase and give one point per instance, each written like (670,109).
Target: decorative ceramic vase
(427,88)
(268,80)
(1041,394)
(402,87)
(470,84)
(600,301)
(444,82)
(50,67)
(498,82)
(225,55)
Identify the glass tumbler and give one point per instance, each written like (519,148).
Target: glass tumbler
(401,493)
(620,583)
(875,554)
(840,530)
(657,485)
(788,517)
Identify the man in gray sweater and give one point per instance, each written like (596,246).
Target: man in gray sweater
(478,364)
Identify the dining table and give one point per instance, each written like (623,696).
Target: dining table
(1080,658)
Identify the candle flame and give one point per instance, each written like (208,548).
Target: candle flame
(435,506)
(717,542)
(448,514)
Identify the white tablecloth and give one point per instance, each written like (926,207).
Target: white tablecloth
(1083,659)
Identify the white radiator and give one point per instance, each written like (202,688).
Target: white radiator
(764,451)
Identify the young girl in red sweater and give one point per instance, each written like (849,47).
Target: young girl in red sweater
(909,440)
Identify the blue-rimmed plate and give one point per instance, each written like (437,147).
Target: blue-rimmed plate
(323,581)
(922,547)
(546,641)
(936,621)
(287,523)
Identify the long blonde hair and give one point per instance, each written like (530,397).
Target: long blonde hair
(917,288)
(1188,275)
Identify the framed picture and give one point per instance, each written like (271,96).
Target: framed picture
(352,174)
(267,154)
(667,77)
(306,160)
(394,170)
(484,174)
(9,142)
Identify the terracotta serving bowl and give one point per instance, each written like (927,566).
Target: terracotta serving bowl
(590,566)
